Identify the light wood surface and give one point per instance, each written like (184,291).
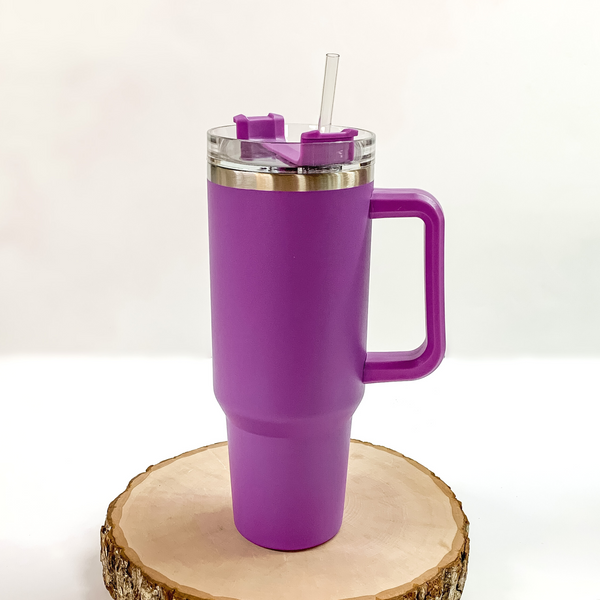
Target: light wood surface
(171,535)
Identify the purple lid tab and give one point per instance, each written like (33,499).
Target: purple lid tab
(270,128)
(334,136)
(316,149)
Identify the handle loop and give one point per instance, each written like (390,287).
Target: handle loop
(417,363)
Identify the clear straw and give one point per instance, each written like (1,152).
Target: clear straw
(331,68)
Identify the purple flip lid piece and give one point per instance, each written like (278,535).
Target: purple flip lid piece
(316,148)
(270,127)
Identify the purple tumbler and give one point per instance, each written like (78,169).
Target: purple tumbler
(290,212)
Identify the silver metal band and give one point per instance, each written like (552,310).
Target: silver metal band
(290,182)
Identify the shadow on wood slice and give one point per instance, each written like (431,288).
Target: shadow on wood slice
(171,536)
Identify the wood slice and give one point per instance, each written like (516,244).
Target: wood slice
(171,536)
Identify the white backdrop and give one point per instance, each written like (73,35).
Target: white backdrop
(491,105)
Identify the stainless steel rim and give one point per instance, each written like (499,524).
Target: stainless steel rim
(290,182)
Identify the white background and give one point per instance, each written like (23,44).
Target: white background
(491,105)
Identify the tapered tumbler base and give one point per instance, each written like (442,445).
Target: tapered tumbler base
(288,493)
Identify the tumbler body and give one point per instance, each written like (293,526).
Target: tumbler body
(289,292)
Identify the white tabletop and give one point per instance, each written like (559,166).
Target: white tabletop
(517,440)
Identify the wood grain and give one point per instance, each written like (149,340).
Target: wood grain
(171,536)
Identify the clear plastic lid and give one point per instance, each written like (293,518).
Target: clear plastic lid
(350,150)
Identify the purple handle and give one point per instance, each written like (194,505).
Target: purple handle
(414,364)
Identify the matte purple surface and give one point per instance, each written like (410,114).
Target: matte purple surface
(289,292)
